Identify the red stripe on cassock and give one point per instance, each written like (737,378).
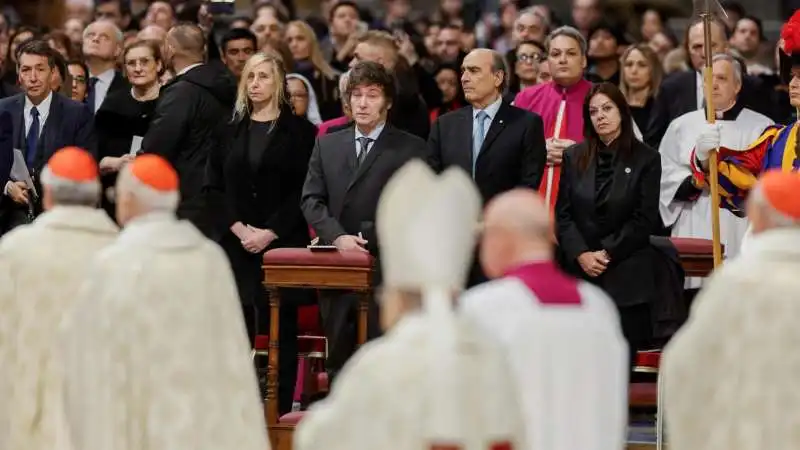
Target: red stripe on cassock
(501,446)
(548,283)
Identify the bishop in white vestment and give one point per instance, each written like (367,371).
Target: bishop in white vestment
(157,356)
(684,206)
(563,335)
(433,381)
(731,373)
(42,266)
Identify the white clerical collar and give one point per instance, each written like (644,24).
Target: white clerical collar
(187,68)
(373,135)
(490,110)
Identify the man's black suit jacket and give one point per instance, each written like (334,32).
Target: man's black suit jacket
(513,153)
(69,123)
(340,197)
(678,96)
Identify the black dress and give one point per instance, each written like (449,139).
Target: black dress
(257,179)
(119,119)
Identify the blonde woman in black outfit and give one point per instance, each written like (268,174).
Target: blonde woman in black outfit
(254,185)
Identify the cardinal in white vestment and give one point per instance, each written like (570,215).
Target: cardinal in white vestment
(685,206)
(157,356)
(563,335)
(42,266)
(731,373)
(432,382)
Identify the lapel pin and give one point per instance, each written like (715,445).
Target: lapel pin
(627,170)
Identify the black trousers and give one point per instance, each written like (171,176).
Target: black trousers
(255,308)
(339,311)
(637,328)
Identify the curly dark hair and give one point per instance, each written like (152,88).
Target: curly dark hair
(368,73)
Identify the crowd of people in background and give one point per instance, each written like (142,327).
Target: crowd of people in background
(250,111)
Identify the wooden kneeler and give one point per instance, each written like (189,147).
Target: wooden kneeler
(300,268)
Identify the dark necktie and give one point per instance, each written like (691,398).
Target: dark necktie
(363,143)
(90,93)
(33,137)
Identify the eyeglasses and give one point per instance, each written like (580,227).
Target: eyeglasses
(529,57)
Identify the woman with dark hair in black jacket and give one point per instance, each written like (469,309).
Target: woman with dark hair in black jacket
(607,209)
(254,184)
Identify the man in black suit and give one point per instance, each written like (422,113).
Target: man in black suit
(102,45)
(43,121)
(346,174)
(502,146)
(682,92)
(191,118)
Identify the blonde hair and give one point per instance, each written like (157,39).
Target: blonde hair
(243,104)
(656,69)
(316,57)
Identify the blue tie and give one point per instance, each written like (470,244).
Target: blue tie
(33,137)
(478,135)
(90,93)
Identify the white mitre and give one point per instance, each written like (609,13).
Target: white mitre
(426,228)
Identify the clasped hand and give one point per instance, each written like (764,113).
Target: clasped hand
(594,263)
(253,239)
(555,150)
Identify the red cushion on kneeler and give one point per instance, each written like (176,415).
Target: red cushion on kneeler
(308,321)
(693,246)
(643,394)
(305,257)
(292,418)
(261,342)
(650,359)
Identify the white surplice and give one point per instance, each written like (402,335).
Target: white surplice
(570,363)
(382,398)
(157,356)
(731,373)
(42,266)
(693,219)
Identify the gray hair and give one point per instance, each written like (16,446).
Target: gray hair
(532,11)
(499,65)
(776,218)
(71,193)
(117,32)
(737,66)
(570,32)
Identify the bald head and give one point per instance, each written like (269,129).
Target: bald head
(152,33)
(521,211)
(516,229)
(187,41)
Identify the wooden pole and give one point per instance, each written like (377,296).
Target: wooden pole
(708,82)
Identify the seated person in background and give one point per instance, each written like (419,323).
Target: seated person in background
(432,381)
(607,209)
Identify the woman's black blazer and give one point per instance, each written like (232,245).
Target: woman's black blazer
(266,196)
(631,208)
